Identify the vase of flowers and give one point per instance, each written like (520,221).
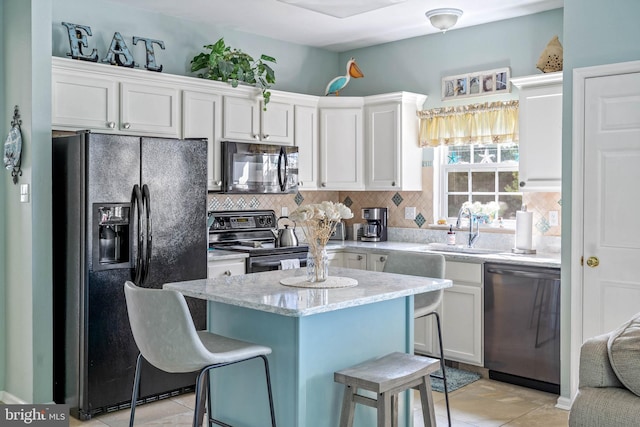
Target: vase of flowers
(318,222)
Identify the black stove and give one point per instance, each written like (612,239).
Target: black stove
(252,232)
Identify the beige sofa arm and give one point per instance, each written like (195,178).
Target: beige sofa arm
(595,369)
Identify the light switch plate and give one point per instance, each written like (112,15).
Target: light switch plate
(553,218)
(24,193)
(284,211)
(410,213)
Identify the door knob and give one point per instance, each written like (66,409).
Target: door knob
(593,261)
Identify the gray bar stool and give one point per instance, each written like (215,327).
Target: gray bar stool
(387,376)
(426,304)
(167,338)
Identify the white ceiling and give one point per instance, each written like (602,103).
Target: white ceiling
(281,21)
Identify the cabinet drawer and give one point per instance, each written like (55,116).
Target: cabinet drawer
(463,272)
(225,268)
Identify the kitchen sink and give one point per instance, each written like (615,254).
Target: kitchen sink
(443,247)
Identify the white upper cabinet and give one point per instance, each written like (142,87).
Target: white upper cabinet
(149,109)
(84,102)
(277,123)
(540,132)
(306,139)
(102,98)
(202,118)
(245,119)
(341,144)
(393,157)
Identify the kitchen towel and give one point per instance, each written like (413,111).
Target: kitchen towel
(524,228)
(288,264)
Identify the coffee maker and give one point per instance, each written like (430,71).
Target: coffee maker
(375,228)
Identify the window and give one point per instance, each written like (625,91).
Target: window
(478,173)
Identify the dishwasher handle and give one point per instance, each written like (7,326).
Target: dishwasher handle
(520,273)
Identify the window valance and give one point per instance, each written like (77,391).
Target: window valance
(487,123)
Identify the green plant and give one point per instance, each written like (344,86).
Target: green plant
(225,64)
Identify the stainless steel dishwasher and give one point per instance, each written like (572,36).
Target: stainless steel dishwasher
(522,325)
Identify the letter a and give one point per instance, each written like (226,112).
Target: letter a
(117,51)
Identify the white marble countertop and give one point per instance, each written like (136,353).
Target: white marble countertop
(540,259)
(263,291)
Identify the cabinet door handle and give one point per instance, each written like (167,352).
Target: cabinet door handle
(256,137)
(111,125)
(359,257)
(383,258)
(300,184)
(265,136)
(393,183)
(324,184)
(522,183)
(227,273)
(126,125)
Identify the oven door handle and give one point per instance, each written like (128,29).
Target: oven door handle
(303,263)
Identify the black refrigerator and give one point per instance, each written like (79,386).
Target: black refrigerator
(124,208)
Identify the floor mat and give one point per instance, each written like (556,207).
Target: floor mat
(456,378)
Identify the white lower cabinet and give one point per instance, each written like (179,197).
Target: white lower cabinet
(460,316)
(357,260)
(336,259)
(225,267)
(375,261)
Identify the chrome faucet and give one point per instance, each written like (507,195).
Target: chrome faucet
(473,236)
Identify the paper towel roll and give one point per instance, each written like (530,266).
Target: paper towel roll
(524,228)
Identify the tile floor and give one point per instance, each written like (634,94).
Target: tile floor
(484,403)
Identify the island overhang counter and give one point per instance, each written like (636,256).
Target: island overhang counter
(313,332)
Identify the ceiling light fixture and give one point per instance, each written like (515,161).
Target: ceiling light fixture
(443,19)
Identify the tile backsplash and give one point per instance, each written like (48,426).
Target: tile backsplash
(396,201)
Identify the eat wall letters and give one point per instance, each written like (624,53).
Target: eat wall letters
(118,53)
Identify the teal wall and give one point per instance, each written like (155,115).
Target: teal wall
(418,64)
(299,68)
(3,209)
(596,32)
(26,282)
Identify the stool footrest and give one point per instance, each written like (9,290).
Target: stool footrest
(364,400)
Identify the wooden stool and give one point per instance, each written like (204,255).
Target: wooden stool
(387,376)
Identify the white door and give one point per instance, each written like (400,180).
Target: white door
(611,235)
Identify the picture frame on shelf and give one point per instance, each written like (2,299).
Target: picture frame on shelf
(479,83)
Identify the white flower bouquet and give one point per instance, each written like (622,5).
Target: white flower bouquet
(484,213)
(318,222)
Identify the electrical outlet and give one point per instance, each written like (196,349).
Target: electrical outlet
(284,211)
(553,218)
(410,213)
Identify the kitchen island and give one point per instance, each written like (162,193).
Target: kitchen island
(313,332)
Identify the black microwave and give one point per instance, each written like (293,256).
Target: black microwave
(259,168)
